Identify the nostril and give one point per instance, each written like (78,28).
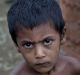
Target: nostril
(39,55)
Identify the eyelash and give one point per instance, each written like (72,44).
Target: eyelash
(46,42)
(27,43)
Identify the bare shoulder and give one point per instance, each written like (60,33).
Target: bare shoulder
(18,69)
(72,65)
(75,62)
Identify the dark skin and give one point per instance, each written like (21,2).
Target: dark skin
(40,48)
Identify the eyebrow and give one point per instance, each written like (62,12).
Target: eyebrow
(33,42)
(50,36)
(47,38)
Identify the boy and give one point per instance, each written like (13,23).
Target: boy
(36,27)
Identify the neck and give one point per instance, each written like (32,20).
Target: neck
(45,74)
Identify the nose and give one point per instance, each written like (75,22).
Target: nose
(39,52)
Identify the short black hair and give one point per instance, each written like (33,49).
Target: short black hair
(32,13)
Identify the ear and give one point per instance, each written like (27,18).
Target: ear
(63,40)
(63,37)
(18,49)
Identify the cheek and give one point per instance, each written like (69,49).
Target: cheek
(53,54)
(28,56)
(29,59)
(53,51)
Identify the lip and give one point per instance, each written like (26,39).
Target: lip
(43,64)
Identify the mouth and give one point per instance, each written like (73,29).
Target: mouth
(43,64)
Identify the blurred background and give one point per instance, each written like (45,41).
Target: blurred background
(9,57)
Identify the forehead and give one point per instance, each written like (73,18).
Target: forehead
(37,33)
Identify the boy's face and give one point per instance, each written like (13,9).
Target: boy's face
(39,46)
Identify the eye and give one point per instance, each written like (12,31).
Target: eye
(47,41)
(28,45)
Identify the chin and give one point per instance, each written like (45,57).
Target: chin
(44,70)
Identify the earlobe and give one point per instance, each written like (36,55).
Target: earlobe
(17,47)
(18,50)
(63,40)
(63,37)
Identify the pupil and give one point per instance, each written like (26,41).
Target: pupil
(28,44)
(47,41)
